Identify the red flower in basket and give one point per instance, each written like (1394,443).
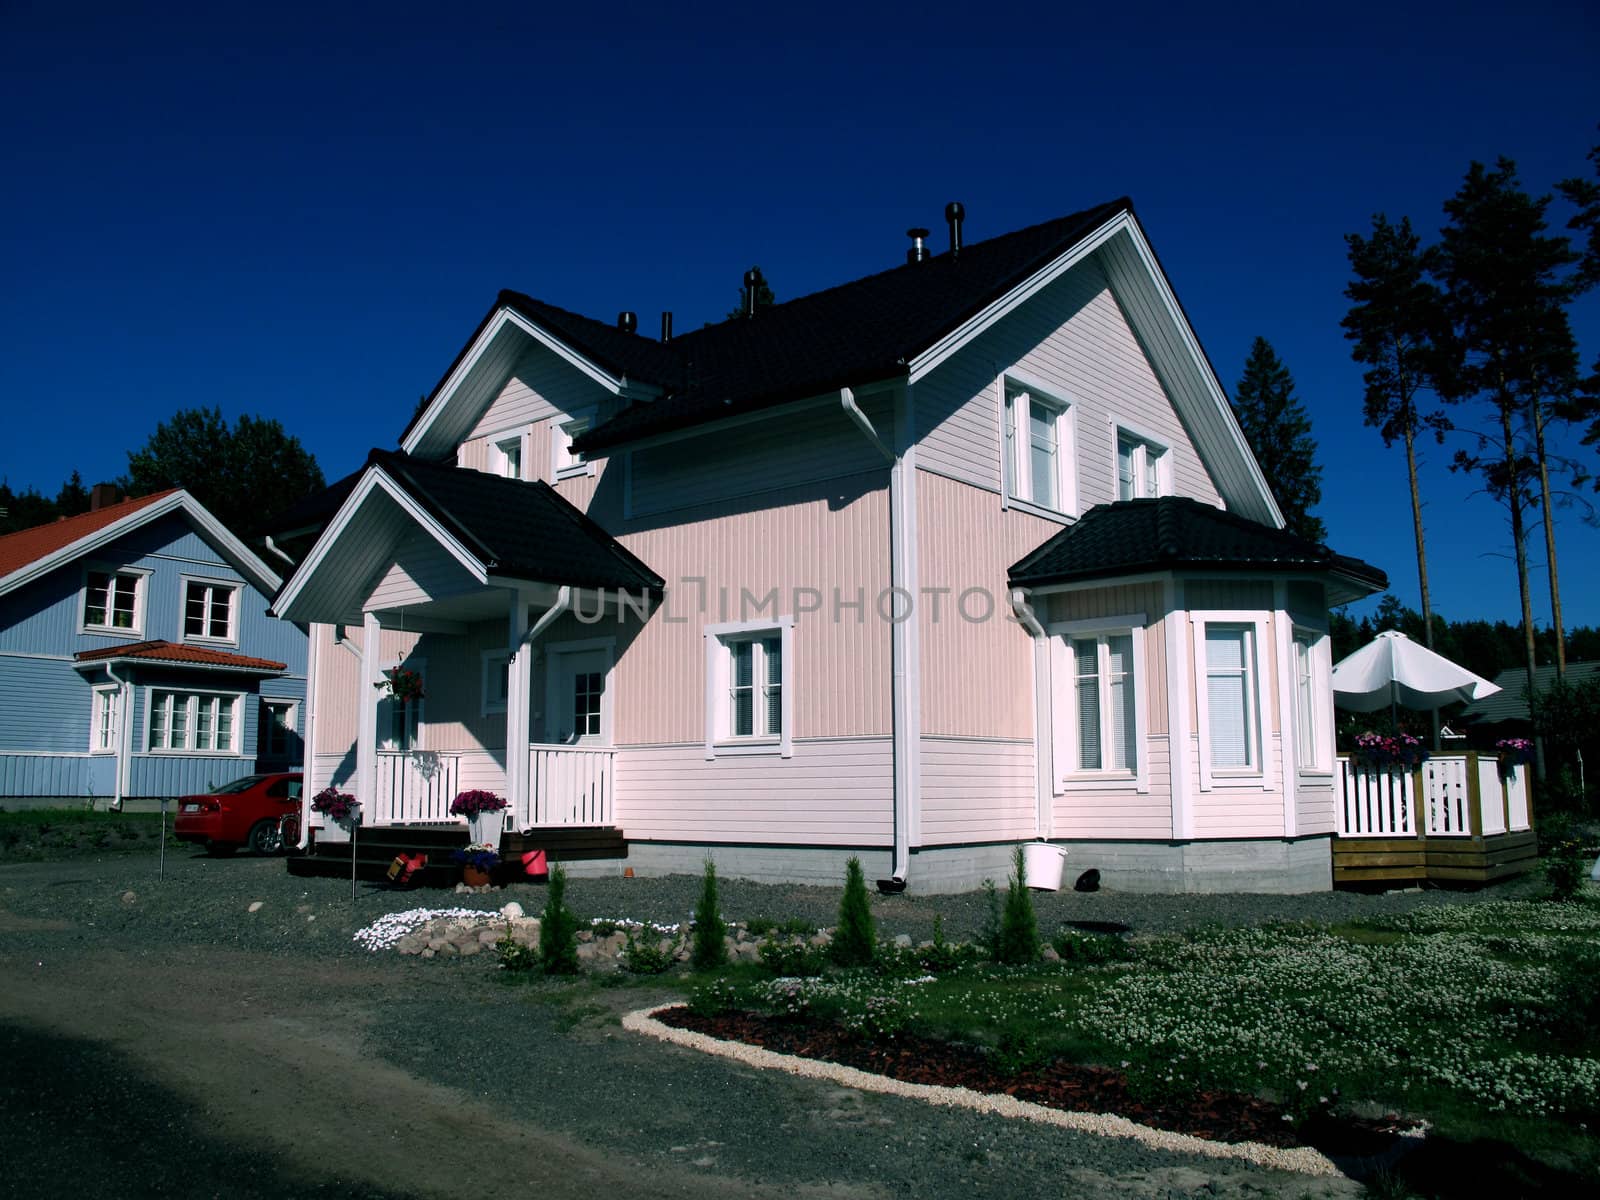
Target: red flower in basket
(404,684)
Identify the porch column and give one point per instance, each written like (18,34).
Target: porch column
(367,719)
(519,688)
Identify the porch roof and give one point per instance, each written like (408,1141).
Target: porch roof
(1176,532)
(176,654)
(522,530)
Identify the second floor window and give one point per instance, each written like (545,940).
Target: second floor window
(111,600)
(565,461)
(208,610)
(507,457)
(1141,468)
(1038,450)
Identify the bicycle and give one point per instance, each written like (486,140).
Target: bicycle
(283,835)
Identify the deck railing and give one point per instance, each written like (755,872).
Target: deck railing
(569,785)
(415,786)
(1448,796)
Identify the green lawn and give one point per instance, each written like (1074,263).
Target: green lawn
(49,834)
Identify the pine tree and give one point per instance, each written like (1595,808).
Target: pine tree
(1279,432)
(710,949)
(1510,348)
(855,941)
(1395,320)
(73,498)
(558,928)
(1019,928)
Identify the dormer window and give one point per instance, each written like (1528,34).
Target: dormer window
(1143,468)
(113,601)
(565,461)
(506,457)
(1038,450)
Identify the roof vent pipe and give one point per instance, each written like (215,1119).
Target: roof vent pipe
(919,249)
(666,326)
(627,321)
(753,283)
(954,213)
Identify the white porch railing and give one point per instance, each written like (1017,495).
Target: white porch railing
(569,785)
(415,787)
(1463,795)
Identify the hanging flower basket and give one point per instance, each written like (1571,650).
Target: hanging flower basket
(404,684)
(339,807)
(1511,753)
(1389,751)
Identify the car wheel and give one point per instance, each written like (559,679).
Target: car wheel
(265,838)
(220,849)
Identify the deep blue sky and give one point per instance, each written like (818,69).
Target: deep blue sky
(283,212)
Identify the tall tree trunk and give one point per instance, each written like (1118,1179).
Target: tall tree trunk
(1422,558)
(1519,542)
(1550,541)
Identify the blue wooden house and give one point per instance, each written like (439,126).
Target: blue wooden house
(137,659)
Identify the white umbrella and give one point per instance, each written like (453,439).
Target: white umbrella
(1392,669)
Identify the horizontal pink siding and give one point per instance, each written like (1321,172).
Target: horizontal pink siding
(975,790)
(1120,813)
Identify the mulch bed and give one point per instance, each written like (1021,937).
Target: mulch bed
(1071,1087)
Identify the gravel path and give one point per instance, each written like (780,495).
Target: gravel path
(320,1061)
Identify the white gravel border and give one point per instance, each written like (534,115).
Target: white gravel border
(1302,1159)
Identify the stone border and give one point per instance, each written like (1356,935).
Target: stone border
(1302,1160)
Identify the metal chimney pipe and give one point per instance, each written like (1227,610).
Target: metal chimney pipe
(954,214)
(752,289)
(919,250)
(627,321)
(666,326)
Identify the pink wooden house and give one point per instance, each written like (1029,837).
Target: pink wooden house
(959,555)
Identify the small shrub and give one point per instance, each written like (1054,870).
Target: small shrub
(1076,946)
(792,927)
(854,942)
(761,926)
(943,955)
(1018,1051)
(1565,867)
(989,939)
(794,960)
(513,955)
(1019,928)
(710,951)
(644,954)
(603,928)
(558,930)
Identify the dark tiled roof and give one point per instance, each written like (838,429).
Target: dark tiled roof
(524,530)
(1509,703)
(314,511)
(1175,531)
(852,334)
(174,652)
(18,550)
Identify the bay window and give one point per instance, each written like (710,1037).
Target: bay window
(1228,693)
(193,722)
(1099,682)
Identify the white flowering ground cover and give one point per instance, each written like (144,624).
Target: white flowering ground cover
(1481,1019)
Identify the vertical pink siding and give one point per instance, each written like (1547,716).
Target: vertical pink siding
(977,676)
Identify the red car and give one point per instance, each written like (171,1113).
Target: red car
(242,813)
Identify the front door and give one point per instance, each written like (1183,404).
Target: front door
(580,710)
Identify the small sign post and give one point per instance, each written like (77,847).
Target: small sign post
(355,824)
(161,860)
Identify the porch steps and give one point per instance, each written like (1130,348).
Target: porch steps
(1472,860)
(377,847)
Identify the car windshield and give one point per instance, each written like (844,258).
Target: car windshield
(238,785)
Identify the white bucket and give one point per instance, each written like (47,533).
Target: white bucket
(1043,863)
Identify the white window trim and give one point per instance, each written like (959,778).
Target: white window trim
(291,723)
(141,595)
(420,707)
(1147,442)
(608,698)
(561,435)
(1063,725)
(1321,698)
(719,742)
(489,701)
(1020,467)
(234,698)
(232,585)
(100,692)
(496,457)
(1225,777)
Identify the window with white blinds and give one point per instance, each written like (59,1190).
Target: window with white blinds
(1231,697)
(1098,730)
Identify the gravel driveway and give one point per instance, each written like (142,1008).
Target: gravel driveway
(199,1049)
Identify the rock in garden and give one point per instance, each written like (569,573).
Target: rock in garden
(1089,881)
(257,905)
(903,940)
(469,949)
(128,897)
(1049,954)
(488,937)
(511,911)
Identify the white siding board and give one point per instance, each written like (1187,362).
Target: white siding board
(977,791)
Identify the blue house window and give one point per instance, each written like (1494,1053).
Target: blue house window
(112,600)
(193,722)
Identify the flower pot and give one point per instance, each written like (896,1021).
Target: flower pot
(473,877)
(486,828)
(1043,863)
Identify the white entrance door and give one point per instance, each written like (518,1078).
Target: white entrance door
(579,709)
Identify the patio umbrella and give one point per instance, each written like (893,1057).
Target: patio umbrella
(1393,670)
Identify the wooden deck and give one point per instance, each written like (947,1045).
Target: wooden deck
(376,848)
(1472,860)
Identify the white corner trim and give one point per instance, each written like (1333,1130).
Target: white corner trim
(1288,731)
(1179,743)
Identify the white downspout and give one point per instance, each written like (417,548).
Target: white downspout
(273,546)
(124,733)
(1043,714)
